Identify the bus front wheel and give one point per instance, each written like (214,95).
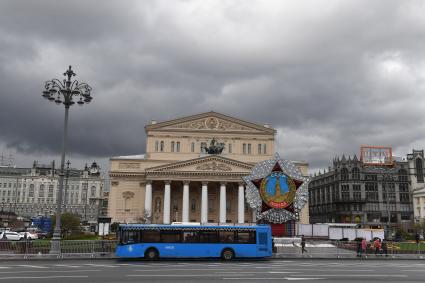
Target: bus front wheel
(151,254)
(227,254)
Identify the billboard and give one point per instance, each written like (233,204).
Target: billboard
(376,155)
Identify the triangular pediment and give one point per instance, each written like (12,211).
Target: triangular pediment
(210,163)
(210,122)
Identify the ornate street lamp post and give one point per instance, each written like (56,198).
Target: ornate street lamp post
(64,93)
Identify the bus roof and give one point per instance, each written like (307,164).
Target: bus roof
(209,226)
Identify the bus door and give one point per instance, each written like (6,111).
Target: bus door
(263,242)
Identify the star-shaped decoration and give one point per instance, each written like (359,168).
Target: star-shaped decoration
(277,190)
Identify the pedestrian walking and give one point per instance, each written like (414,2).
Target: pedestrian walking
(377,245)
(303,245)
(359,247)
(384,246)
(364,245)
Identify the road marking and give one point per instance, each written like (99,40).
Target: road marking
(49,271)
(32,266)
(301,278)
(44,277)
(100,265)
(70,266)
(271,278)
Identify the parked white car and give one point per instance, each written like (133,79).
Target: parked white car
(30,236)
(12,236)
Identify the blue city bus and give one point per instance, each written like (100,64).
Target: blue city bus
(154,241)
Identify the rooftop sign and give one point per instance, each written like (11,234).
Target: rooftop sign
(376,155)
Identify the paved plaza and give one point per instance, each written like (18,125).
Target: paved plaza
(302,270)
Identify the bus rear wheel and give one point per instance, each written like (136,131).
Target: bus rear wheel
(227,254)
(151,254)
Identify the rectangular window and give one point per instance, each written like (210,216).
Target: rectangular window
(244,148)
(172,146)
(208,236)
(249,148)
(245,237)
(192,147)
(230,148)
(156,146)
(227,236)
(178,147)
(259,148)
(191,237)
(264,149)
(170,236)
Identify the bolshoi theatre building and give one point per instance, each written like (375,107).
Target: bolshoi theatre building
(192,171)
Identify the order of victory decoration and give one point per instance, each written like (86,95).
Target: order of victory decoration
(277,190)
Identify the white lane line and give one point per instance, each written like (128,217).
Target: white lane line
(253,272)
(65,265)
(100,265)
(32,266)
(49,271)
(301,278)
(356,275)
(170,275)
(271,278)
(44,277)
(181,269)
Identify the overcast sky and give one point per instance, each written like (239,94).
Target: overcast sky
(328,75)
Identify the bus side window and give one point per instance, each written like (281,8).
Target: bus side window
(152,236)
(227,236)
(191,237)
(170,237)
(208,236)
(246,237)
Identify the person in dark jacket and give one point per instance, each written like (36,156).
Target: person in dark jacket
(303,244)
(384,247)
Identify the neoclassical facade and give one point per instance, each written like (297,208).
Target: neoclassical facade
(191,171)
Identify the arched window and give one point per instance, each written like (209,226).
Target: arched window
(356,173)
(158,204)
(161,147)
(344,174)
(41,191)
(419,170)
(93,191)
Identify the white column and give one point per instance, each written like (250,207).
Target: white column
(204,203)
(241,204)
(148,199)
(254,216)
(185,206)
(223,202)
(167,202)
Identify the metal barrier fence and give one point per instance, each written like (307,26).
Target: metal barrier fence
(72,248)
(348,249)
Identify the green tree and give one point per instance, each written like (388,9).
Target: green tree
(70,224)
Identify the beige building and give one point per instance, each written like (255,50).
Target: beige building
(177,180)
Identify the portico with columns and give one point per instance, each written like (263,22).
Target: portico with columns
(183,193)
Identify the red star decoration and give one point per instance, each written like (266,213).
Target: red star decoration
(257,183)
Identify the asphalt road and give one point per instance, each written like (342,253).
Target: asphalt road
(302,270)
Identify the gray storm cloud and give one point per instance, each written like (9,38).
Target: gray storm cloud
(329,75)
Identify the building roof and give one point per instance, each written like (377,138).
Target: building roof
(137,156)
